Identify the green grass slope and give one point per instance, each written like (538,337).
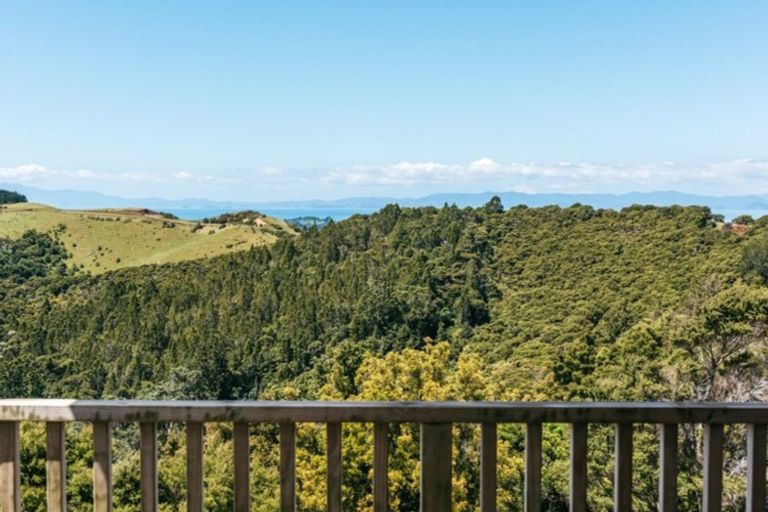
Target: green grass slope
(104,240)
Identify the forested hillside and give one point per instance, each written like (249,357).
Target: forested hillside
(424,303)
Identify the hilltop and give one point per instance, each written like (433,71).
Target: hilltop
(108,239)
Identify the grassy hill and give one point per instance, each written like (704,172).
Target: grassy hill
(104,240)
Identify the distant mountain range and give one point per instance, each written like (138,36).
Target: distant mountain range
(727,205)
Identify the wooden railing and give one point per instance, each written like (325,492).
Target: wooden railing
(435,418)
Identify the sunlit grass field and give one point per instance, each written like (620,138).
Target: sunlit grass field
(103,240)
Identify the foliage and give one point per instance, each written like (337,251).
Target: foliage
(10,197)
(754,259)
(743,219)
(32,255)
(242,217)
(416,304)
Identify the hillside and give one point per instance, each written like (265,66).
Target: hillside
(109,239)
(509,285)
(425,303)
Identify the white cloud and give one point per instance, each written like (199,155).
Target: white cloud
(737,176)
(183,175)
(269,170)
(36,173)
(741,176)
(24,172)
(39,174)
(484,164)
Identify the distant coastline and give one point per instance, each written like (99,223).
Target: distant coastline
(339,209)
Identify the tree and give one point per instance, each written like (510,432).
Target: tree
(754,258)
(744,219)
(494,205)
(9,197)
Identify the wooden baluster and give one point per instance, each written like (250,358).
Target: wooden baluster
(102,466)
(622,482)
(334,468)
(436,467)
(488,447)
(578,475)
(287,467)
(242,449)
(56,467)
(10,467)
(380,467)
(148,453)
(756,461)
(194,467)
(533,467)
(668,467)
(713,468)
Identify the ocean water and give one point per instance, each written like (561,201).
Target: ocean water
(280,213)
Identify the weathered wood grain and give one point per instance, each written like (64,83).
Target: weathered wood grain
(713,468)
(333,469)
(10,467)
(381,412)
(436,467)
(668,468)
(578,475)
(756,466)
(195,492)
(287,467)
(488,480)
(102,466)
(533,467)
(148,476)
(622,481)
(55,468)
(242,462)
(380,467)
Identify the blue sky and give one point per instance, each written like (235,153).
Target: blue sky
(286,100)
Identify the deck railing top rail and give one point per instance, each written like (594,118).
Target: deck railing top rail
(381,412)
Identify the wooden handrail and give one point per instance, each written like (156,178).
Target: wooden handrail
(435,418)
(380,412)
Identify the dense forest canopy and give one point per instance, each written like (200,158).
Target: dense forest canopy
(10,197)
(550,303)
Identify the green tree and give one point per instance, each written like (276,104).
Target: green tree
(10,197)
